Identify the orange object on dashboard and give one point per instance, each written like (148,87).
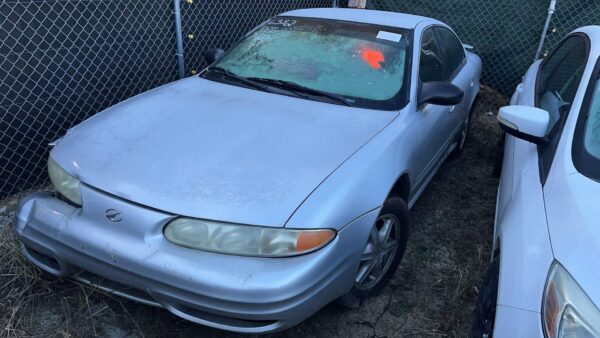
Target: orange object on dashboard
(373,58)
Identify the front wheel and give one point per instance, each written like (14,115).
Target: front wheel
(382,252)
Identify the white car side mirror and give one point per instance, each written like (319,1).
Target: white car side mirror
(524,122)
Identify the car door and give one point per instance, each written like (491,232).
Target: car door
(435,122)
(553,86)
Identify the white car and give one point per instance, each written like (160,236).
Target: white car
(544,276)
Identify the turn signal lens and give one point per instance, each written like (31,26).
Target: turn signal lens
(309,240)
(551,310)
(567,310)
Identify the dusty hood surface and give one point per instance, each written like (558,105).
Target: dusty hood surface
(203,149)
(574,225)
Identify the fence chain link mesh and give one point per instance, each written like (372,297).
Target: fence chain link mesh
(570,15)
(63,61)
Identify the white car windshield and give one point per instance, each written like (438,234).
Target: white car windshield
(586,143)
(366,64)
(591,139)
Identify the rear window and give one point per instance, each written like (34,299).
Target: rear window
(454,53)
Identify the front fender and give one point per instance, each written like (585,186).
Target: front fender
(363,182)
(525,248)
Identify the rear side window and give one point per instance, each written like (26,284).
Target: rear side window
(454,52)
(431,67)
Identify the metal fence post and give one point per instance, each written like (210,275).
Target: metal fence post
(334,3)
(178,36)
(551,10)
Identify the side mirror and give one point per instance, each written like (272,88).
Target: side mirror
(440,93)
(524,122)
(212,55)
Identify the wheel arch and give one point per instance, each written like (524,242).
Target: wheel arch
(401,187)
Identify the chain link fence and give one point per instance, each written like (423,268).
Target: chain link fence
(570,15)
(62,61)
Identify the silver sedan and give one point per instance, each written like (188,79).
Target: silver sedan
(276,181)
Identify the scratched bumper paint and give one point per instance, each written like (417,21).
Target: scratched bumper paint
(131,258)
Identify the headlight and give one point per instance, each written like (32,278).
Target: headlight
(244,239)
(66,184)
(567,310)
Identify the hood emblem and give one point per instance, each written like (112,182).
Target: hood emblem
(113,215)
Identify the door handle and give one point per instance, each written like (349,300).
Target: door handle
(452,109)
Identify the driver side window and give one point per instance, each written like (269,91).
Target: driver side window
(431,67)
(557,86)
(560,78)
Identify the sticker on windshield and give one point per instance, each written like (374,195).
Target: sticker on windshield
(283,22)
(389,36)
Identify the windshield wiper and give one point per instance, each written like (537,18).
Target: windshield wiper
(231,76)
(301,90)
(264,84)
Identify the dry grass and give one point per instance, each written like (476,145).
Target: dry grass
(432,294)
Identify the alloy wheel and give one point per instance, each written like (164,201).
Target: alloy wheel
(379,252)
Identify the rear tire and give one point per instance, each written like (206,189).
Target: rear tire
(382,254)
(484,314)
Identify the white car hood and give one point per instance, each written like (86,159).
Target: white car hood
(204,149)
(573,211)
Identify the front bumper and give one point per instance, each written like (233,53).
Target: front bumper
(131,258)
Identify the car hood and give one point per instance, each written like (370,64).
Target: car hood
(573,211)
(204,149)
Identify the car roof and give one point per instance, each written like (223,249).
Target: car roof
(392,19)
(594,34)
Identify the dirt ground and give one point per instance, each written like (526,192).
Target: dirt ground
(432,293)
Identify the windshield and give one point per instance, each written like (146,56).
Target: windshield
(591,138)
(366,64)
(586,145)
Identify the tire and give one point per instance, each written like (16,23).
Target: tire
(369,284)
(461,137)
(485,311)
